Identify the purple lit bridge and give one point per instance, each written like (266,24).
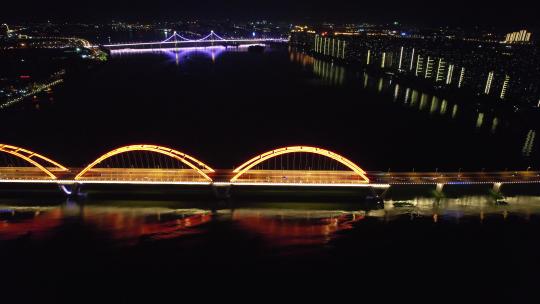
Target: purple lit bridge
(178,42)
(294,167)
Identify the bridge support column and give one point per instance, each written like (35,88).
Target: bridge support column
(222,192)
(383,194)
(71,190)
(440,188)
(375,197)
(497,187)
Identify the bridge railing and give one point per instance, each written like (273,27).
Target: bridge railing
(300,177)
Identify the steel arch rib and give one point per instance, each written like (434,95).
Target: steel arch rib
(20,153)
(297,149)
(31,154)
(151,148)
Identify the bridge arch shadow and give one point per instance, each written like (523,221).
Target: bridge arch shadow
(146,164)
(21,164)
(299,165)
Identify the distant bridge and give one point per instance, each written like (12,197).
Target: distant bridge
(178,41)
(295,166)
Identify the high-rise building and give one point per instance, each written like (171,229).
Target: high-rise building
(497,70)
(441,67)
(429,67)
(400,58)
(419,65)
(412,60)
(450,74)
(4,30)
(504,89)
(518,37)
(461,77)
(489,83)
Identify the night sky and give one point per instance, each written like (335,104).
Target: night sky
(515,13)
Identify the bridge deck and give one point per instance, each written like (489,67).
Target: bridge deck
(189,44)
(455,177)
(265,177)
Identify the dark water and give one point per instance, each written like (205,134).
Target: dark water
(467,248)
(226,106)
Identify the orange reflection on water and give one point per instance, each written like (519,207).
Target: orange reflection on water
(29,222)
(134,225)
(302,58)
(288,228)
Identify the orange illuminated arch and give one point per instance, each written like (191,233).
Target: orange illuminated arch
(184,158)
(33,158)
(298,149)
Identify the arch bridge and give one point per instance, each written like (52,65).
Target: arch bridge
(146,164)
(299,165)
(21,164)
(294,166)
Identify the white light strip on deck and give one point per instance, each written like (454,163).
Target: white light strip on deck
(82,182)
(377,185)
(304,185)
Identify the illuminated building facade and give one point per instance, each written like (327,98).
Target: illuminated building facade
(482,68)
(4,30)
(522,36)
(330,46)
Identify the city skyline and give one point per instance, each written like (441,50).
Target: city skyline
(416,12)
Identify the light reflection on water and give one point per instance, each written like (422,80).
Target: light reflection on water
(132,224)
(183,54)
(125,224)
(279,224)
(337,75)
(16,222)
(454,209)
(286,227)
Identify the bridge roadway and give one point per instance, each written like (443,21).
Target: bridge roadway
(294,178)
(188,44)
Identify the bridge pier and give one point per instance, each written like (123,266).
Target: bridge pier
(71,190)
(221,191)
(383,194)
(440,188)
(497,187)
(376,198)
